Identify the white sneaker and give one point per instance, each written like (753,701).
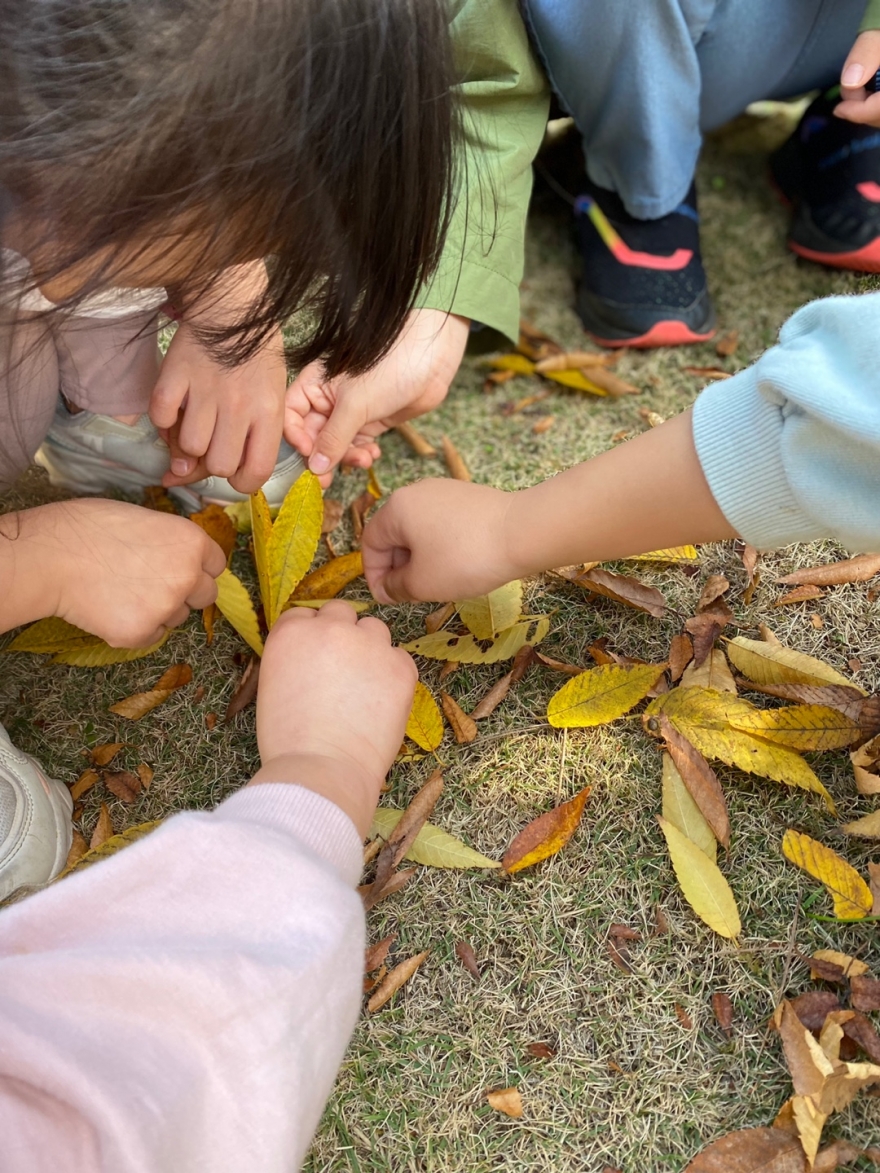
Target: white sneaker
(35,827)
(88,453)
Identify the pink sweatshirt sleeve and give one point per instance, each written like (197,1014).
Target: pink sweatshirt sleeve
(184,1005)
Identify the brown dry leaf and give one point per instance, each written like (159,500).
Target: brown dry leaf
(155,497)
(812,1008)
(78,848)
(661,921)
(624,932)
(712,673)
(493,697)
(333,511)
(751,1150)
(103,755)
(713,588)
(103,828)
(619,954)
(700,779)
(125,785)
(448,668)
(681,652)
(849,966)
(544,424)
(394,980)
(817,621)
(496,378)
(858,569)
(750,557)
(400,840)
(867,756)
(210,721)
(768,636)
(416,440)
(572,360)
(652,418)
(722,1008)
(541,1051)
(707,372)
(328,580)
(217,524)
(246,689)
(874,874)
(800,594)
(209,618)
(137,706)
(706,627)
(454,462)
(546,835)
(145,773)
(522,662)
(839,1152)
(506,1100)
(376,955)
(438,618)
(860,1031)
(468,959)
(611,383)
(174,677)
(865,993)
(509,409)
(359,510)
(558,665)
(84,784)
(800,1056)
(727,344)
(683,1017)
(463,727)
(623,589)
(534,343)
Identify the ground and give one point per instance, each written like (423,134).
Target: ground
(630,1087)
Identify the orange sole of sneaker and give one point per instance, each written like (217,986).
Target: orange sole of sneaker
(862,260)
(671,333)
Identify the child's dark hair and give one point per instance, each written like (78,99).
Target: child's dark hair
(316,133)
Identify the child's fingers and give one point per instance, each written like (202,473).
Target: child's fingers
(334,439)
(861,64)
(196,430)
(260,457)
(166,401)
(226,451)
(865,112)
(338,611)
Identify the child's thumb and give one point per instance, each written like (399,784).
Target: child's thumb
(863,60)
(334,439)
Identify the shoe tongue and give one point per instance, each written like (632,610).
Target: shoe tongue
(7,808)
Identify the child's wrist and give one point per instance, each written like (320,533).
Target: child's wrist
(341,781)
(31,576)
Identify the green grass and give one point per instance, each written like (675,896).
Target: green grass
(630,1087)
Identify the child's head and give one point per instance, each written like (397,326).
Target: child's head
(316,133)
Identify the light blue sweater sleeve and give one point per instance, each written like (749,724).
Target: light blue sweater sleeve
(791,446)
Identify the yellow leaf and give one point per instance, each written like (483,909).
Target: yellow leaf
(425,723)
(490,614)
(705,718)
(702,884)
(464,649)
(601,694)
(768,663)
(507,1100)
(432,847)
(239,513)
(51,635)
(99,654)
(328,580)
(71,645)
(851,966)
(672,555)
(712,673)
(852,896)
(576,379)
(869,826)
(518,363)
(110,846)
(681,810)
(261,528)
(293,540)
(801,727)
(234,602)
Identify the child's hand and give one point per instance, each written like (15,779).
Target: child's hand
(230,420)
(335,421)
(438,540)
(333,702)
(118,571)
(861,65)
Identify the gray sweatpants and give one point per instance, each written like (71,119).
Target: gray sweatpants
(643,78)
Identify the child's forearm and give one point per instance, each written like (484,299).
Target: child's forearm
(27,590)
(648,494)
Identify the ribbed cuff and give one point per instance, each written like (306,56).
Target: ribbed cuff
(738,438)
(312,819)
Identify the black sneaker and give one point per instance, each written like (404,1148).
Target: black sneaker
(829,171)
(643,282)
